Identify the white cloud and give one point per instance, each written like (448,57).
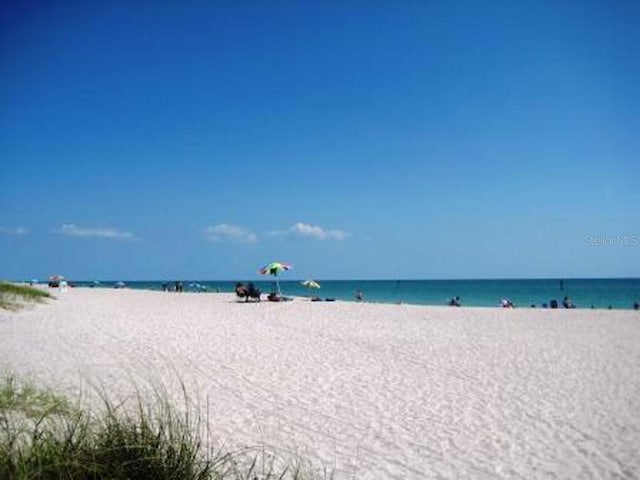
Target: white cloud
(14,232)
(72,230)
(312,231)
(230,232)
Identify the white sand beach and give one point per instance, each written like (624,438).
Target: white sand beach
(368,391)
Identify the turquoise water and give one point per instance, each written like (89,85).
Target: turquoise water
(585,293)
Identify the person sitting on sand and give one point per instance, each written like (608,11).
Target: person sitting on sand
(568,303)
(455,302)
(507,303)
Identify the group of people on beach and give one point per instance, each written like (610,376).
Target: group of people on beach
(453,302)
(553,303)
(175,287)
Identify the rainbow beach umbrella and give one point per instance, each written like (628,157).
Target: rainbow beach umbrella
(273,269)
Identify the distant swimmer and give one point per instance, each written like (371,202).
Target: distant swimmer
(359,295)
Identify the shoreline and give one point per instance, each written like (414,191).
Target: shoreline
(300,293)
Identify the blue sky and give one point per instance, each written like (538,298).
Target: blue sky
(201,140)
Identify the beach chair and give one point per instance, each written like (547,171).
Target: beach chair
(248,292)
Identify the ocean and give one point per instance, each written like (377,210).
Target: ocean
(585,293)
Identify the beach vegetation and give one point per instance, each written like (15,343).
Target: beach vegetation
(13,296)
(43,435)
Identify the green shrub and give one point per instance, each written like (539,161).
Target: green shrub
(12,296)
(43,436)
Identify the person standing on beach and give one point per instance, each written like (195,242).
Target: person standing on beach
(359,295)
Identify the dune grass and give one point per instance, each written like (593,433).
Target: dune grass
(45,436)
(13,296)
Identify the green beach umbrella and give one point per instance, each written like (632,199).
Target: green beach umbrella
(274,268)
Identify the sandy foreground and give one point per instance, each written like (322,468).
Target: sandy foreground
(365,390)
